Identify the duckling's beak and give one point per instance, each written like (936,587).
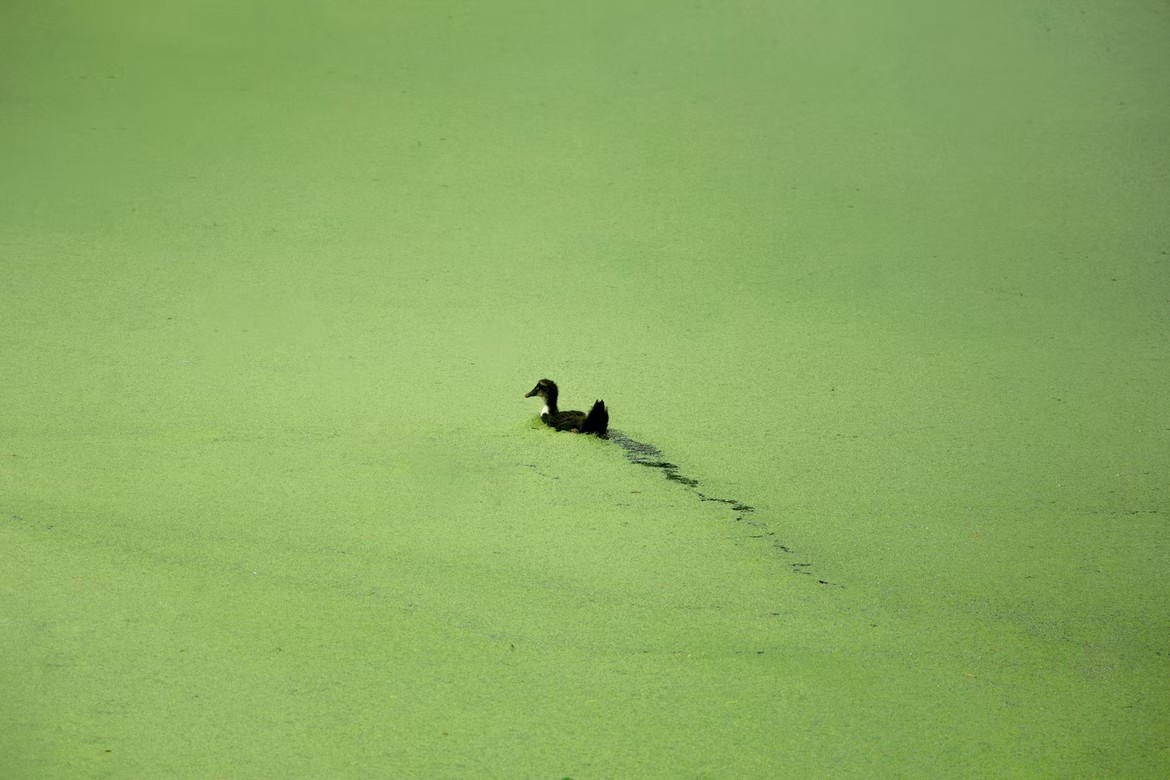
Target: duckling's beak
(532,392)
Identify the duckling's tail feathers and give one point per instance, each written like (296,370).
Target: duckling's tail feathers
(597,421)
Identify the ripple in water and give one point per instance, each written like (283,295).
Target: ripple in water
(645,454)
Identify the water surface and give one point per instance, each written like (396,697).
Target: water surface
(895,280)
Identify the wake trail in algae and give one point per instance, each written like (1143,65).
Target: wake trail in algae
(648,455)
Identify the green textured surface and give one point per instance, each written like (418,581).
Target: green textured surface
(275,278)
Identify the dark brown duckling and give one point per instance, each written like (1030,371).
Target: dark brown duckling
(596,421)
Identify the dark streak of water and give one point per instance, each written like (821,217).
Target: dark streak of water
(648,455)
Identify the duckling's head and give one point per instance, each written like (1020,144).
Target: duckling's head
(545,389)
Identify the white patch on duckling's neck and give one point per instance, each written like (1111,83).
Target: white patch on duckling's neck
(544,411)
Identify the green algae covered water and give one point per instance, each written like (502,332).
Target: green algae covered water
(877,298)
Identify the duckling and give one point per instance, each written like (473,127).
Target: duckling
(597,421)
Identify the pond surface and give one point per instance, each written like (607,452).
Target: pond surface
(876,301)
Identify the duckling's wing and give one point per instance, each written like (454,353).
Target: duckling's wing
(566,421)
